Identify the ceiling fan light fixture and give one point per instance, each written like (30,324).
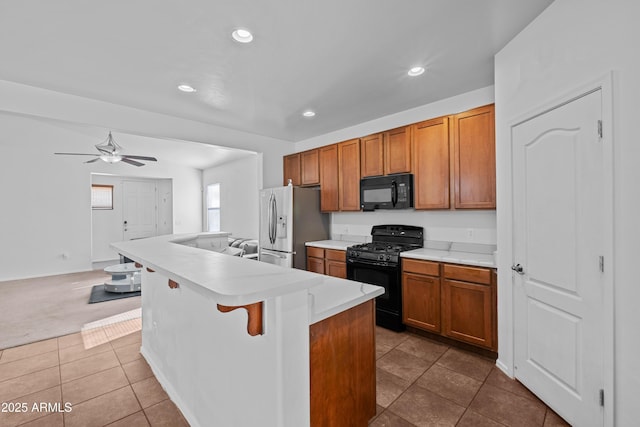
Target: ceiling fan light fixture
(242,36)
(186,88)
(416,71)
(112,158)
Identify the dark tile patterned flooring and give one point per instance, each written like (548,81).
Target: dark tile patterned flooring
(421,382)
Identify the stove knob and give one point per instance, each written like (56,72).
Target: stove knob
(388,257)
(381,257)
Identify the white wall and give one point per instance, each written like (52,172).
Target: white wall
(570,44)
(447,226)
(451,226)
(46,199)
(238,195)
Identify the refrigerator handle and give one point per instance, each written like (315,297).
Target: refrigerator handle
(269,218)
(274,219)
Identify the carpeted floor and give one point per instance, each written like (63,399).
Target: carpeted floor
(46,307)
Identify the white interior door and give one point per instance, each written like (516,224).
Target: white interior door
(558,236)
(139,210)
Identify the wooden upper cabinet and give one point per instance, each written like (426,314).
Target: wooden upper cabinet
(372,155)
(349,175)
(430,155)
(474,159)
(291,169)
(310,167)
(397,151)
(328,160)
(386,153)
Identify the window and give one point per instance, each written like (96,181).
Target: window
(213,207)
(101,196)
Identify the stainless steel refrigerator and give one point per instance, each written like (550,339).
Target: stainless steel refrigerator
(290,217)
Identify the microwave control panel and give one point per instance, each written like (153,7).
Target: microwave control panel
(402,192)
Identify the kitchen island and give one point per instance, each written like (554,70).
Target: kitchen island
(237,342)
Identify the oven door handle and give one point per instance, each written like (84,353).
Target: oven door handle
(360,263)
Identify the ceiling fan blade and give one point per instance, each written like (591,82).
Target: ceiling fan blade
(132,162)
(127,156)
(93,160)
(77,154)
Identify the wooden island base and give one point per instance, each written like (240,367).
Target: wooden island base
(343,368)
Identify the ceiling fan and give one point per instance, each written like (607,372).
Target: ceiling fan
(110,152)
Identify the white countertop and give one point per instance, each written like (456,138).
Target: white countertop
(341,245)
(454,257)
(336,295)
(479,255)
(238,281)
(233,280)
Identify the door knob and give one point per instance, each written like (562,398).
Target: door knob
(518,268)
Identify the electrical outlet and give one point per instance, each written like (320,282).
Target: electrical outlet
(470,233)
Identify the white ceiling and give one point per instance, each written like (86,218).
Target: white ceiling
(345,59)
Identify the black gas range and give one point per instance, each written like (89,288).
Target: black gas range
(378,263)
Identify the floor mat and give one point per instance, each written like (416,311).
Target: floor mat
(98,294)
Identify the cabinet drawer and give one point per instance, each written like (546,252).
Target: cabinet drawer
(335,255)
(467,274)
(315,252)
(429,268)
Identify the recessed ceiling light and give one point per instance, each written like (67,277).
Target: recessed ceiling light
(309,113)
(186,88)
(415,71)
(242,36)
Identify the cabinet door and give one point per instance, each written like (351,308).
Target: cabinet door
(310,168)
(397,151)
(329,178)
(291,169)
(372,155)
(315,264)
(466,312)
(474,159)
(430,153)
(349,175)
(421,301)
(336,269)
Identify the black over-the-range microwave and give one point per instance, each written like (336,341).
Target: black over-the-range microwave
(386,192)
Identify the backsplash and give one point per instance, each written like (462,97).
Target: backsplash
(440,226)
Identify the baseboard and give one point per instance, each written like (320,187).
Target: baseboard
(171,392)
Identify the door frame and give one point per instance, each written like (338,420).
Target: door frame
(506,340)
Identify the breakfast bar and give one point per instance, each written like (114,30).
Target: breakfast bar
(238,342)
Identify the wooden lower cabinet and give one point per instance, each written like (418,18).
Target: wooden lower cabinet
(315,264)
(335,263)
(343,368)
(331,262)
(421,301)
(467,312)
(452,300)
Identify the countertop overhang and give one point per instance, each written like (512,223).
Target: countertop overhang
(237,281)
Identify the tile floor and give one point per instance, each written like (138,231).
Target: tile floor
(419,383)
(107,384)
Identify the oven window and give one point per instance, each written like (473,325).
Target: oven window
(377,195)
